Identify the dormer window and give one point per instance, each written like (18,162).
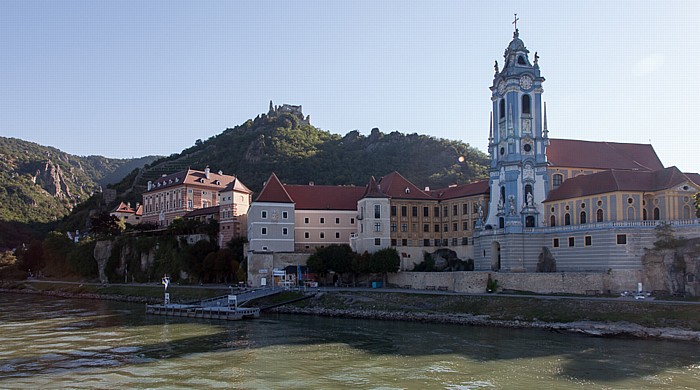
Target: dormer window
(177,180)
(201,180)
(217,182)
(407,190)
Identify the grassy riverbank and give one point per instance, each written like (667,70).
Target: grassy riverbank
(397,305)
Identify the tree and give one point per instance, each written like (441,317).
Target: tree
(666,238)
(106,224)
(384,261)
(696,202)
(360,265)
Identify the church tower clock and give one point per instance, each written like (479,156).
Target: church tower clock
(517,142)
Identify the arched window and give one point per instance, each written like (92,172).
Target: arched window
(501,223)
(656,214)
(644,214)
(599,215)
(503,194)
(630,213)
(583,217)
(686,212)
(502,109)
(567,219)
(521,60)
(552,221)
(529,221)
(526,104)
(557,179)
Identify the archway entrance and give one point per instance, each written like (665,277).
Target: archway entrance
(495,256)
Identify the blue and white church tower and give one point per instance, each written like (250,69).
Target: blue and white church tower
(517,142)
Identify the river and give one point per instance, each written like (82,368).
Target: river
(46,342)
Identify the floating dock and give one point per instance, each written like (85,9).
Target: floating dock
(220,308)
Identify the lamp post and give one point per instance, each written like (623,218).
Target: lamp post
(166,282)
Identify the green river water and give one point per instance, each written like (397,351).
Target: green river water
(47,342)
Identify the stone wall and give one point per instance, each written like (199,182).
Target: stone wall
(541,283)
(261,265)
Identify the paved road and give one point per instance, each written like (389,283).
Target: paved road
(402,290)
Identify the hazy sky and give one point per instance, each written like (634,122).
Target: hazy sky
(131,78)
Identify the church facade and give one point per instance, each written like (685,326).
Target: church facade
(593,205)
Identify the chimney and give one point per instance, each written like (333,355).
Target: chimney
(206,172)
(221,172)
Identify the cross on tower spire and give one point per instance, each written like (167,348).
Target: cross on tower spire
(515,21)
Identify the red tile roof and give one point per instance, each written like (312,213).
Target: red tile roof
(463,190)
(602,155)
(193,177)
(273,191)
(315,197)
(396,186)
(612,181)
(372,190)
(123,208)
(237,186)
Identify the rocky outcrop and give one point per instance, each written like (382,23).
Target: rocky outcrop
(103,250)
(52,180)
(675,270)
(546,261)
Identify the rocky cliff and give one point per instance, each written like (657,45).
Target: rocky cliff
(675,271)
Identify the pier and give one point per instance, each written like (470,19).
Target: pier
(219,308)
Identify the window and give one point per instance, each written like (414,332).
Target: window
(501,223)
(426,242)
(587,241)
(437,242)
(404,227)
(426,211)
(465,241)
(414,211)
(393,211)
(656,213)
(567,219)
(454,210)
(337,221)
(630,213)
(322,235)
(337,234)
(377,227)
(437,228)
(444,213)
(436,212)
(322,220)
(392,227)
(306,220)
(465,225)
(263,231)
(502,109)
(445,228)
(404,211)
(393,242)
(285,231)
(454,227)
(189,204)
(454,241)
(552,221)
(377,211)
(599,215)
(306,234)
(465,209)
(583,217)
(426,228)
(621,239)
(526,104)
(352,221)
(529,221)
(571,241)
(404,242)
(555,243)
(557,178)
(263,214)
(377,241)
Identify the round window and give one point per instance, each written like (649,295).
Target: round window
(527,148)
(630,200)
(503,151)
(567,207)
(583,205)
(600,203)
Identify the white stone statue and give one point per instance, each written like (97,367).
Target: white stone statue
(530,202)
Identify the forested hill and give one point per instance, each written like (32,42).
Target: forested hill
(42,184)
(299,153)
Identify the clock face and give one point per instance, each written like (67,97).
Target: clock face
(501,87)
(526,82)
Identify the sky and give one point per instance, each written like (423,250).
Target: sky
(127,79)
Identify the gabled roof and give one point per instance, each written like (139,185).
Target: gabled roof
(193,177)
(694,177)
(372,190)
(139,210)
(123,208)
(315,197)
(396,186)
(273,191)
(602,155)
(612,181)
(463,190)
(237,186)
